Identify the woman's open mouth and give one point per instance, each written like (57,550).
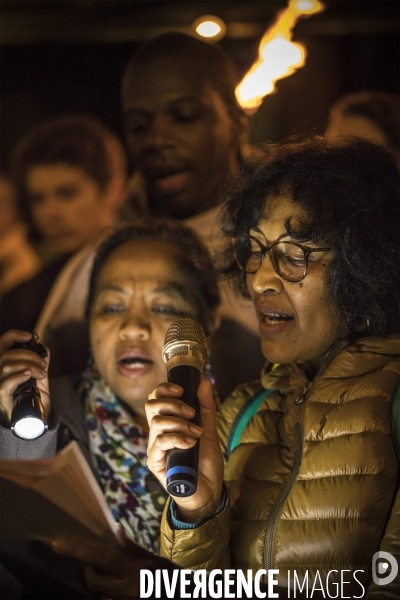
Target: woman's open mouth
(134,366)
(276,319)
(273,322)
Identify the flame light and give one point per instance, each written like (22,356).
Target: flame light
(278,56)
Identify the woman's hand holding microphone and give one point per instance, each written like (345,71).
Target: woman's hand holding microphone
(170,427)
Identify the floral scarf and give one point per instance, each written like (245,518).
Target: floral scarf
(119,447)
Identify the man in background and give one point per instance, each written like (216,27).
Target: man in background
(369,114)
(186,136)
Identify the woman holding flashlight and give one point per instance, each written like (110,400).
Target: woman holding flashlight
(144,278)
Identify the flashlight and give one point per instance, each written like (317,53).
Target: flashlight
(27,418)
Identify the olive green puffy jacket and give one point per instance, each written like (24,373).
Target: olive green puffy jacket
(313,481)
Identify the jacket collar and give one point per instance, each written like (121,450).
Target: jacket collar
(344,360)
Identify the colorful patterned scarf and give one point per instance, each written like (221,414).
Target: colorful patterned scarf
(119,446)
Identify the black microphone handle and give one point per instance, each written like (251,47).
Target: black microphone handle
(182,465)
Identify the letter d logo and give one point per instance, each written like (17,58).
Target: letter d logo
(383,567)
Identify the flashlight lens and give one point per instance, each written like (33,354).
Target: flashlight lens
(29,428)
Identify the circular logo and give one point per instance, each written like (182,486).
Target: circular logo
(388,565)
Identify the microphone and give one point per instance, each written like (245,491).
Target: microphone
(185,354)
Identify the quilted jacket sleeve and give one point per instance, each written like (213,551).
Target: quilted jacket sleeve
(206,547)
(390,544)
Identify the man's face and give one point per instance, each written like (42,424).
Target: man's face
(181,137)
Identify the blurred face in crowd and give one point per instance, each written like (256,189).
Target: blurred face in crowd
(181,136)
(8,205)
(357,126)
(298,322)
(68,207)
(141,291)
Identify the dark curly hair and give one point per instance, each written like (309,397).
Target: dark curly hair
(350,193)
(192,256)
(77,140)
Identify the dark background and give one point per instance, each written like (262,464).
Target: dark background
(68,55)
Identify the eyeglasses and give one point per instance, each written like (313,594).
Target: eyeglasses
(289,259)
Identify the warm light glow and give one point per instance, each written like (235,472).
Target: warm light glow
(278,56)
(306,6)
(210,27)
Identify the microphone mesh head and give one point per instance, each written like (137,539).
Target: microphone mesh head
(185,329)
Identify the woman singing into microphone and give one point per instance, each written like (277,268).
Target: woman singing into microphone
(310,449)
(297,471)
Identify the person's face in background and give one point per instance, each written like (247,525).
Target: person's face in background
(355,126)
(8,206)
(142,289)
(68,207)
(181,137)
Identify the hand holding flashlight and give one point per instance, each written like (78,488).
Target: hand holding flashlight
(24,392)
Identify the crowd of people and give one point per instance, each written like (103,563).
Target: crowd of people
(287,255)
